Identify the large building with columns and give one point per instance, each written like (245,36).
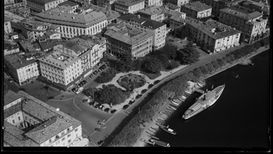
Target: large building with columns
(74,22)
(29,122)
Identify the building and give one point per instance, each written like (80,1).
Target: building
(10,47)
(256,6)
(212,35)
(23,69)
(158,29)
(179,3)
(29,122)
(43,5)
(72,4)
(197,10)
(60,68)
(129,6)
(74,22)
(103,3)
(89,49)
(154,13)
(149,3)
(33,30)
(124,41)
(172,6)
(217,5)
(7,25)
(251,23)
(10,4)
(174,19)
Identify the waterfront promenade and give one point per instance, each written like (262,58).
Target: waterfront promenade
(113,122)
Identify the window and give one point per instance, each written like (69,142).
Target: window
(19,118)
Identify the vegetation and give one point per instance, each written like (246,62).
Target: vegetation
(131,81)
(106,76)
(188,55)
(151,65)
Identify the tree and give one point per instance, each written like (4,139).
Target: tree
(188,55)
(151,65)
(106,76)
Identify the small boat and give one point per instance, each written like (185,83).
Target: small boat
(159,143)
(167,129)
(237,76)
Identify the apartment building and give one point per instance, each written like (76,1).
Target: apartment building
(179,3)
(23,69)
(7,25)
(149,3)
(212,35)
(129,6)
(197,10)
(89,49)
(124,40)
(174,19)
(251,23)
(158,29)
(74,22)
(60,68)
(10,4)
(29,122)
(154,13)
(10,47)
(43,5)
(216,5)
(33,30)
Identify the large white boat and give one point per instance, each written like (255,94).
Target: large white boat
(204,101)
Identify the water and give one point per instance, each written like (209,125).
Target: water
(240,117)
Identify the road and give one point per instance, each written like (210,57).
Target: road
(115,120)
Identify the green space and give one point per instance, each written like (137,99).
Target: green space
(131,81)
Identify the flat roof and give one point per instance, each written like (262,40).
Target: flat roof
(18,61)
(197,6)
(65,15)
(10,96)
(128,2)
(41,1)
(152,24)
(212,28)
(127,34)
(152,10)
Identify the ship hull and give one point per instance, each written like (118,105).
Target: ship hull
(215,95)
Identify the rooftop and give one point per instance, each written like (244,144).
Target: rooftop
(42,2)
(18,61)
(127,34)
(197,6)
(51,123)
(151,10)
(172,6)
(66,15)
(68,3)
(242,12)
(59,59)
(212,28)
(128,2)
(9,45)
(10,96)
(110,14)
(151,24)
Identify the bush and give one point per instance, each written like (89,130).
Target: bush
(151,65)
(106,76)
(188,55)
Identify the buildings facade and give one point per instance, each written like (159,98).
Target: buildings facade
(7,25)
(124,41)
(21,68)
(60,68)
(174,19)
(43,5)
(10,47)
(10,4)
(149,3)
(129,6)
(74,22)
(158,29)
(251,23)
(179,3)
(197,10)
(29,122)
(212,35)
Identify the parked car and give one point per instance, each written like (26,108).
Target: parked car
(106,109)
(138,96)
(113,111)
(143,91)
(125,106)
(156,81)
(150,85)
(131,101)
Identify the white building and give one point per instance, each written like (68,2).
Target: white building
(153,3)
(89,49)
(74,22)
(43,5)
(211,35)
(129,6)
(60,68)
(22,69)
(29,122)
(158,29)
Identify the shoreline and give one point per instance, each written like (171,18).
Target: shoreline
(152,125)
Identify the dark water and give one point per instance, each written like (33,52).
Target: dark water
(239,119)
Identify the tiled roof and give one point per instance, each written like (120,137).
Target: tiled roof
(10,96)
(197,6)
(42,2)
(127,34)
(151,24)
(110,14)
(152,10)
(128,2)
(18,61)
(212,28)
(64,15)
(242,12)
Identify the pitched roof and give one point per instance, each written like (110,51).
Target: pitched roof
(242,12)
(10,96)
(197,6)
(128,2)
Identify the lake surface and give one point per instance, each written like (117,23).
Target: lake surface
(239,119)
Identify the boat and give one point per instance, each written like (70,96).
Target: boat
(159,143)
(167,129)
(204,101)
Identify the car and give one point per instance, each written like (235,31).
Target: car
(156,81)
(131,101)
(138,96)
(150,85)
(125,106)
(101,107)
(143,91)
(106,109)
(113,111)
